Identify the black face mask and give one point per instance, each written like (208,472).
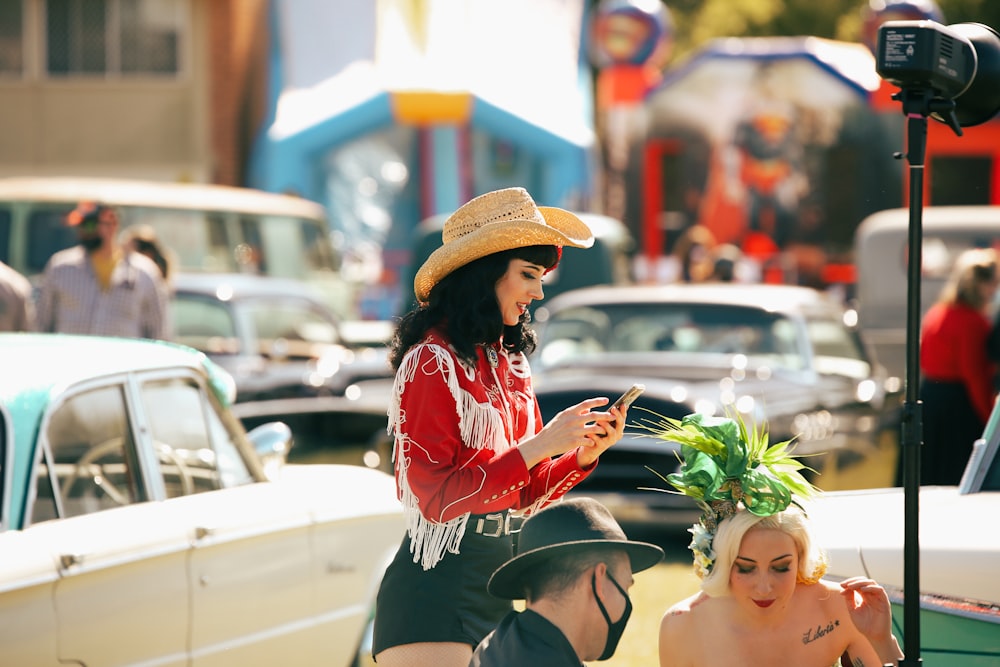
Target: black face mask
(616,628)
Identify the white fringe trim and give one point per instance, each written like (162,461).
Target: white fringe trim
(481,427)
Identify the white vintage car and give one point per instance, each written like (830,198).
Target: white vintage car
(139,526)
(863,533)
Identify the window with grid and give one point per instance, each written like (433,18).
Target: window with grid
(114,37)
(11,38)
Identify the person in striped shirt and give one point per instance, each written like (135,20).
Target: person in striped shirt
(98,287)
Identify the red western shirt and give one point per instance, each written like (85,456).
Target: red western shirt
(456,428)
(953,349)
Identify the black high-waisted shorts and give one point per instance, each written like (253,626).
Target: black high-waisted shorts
(449,602)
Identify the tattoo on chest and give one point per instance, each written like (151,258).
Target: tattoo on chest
(812,634)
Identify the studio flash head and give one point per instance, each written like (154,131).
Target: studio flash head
(960,62)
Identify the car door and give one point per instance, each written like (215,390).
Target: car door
(121,561)
(251,580)
(250,567)
(27,616)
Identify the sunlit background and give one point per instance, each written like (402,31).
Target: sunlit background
(388,112)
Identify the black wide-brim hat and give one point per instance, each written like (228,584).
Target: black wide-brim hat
(561,528)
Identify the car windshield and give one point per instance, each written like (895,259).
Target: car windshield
(989,466)
(837,350)
(294,326)
(204,324)
(763,337)
(992,480)
(290,328)
(700,329)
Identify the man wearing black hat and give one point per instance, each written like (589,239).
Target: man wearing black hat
(573,568)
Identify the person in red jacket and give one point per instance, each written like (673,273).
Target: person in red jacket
(956,386)
(470,446)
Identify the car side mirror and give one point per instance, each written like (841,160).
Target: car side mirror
(272,442)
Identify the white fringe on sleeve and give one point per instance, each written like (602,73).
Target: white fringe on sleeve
(481,427)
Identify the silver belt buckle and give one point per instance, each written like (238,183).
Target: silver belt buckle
(502,520)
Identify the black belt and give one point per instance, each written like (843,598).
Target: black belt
(496,524)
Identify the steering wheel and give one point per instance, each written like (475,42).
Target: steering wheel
(167,454)
(87,465)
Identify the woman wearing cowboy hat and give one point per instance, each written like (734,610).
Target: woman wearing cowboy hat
(470,445)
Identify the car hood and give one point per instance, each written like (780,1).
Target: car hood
(677,366)
(863,533)
(781,394)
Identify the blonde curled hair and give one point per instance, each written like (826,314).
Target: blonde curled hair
(792,521)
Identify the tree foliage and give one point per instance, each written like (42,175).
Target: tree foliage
(698,21)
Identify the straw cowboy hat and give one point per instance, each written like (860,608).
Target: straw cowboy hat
(493,222)
(571,525)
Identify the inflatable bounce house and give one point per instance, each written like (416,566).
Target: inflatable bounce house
(393,111)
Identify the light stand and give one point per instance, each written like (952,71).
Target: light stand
(918,104)
(933,65)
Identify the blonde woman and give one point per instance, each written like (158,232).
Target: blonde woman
(956,386)
(763,601)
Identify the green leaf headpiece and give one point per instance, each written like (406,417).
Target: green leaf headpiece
(725,465)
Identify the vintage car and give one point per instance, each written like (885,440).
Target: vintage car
(863,532)
(788,356)
(140,524)
(284,349)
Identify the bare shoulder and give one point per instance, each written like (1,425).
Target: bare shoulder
(829,595)
(681,616)
(681,642)
(686,606)
(678,629)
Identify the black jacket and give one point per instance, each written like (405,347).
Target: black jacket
(525,639)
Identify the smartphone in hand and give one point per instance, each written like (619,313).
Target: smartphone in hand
(628,398)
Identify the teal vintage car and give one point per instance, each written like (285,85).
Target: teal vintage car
(141,525)
(863,531)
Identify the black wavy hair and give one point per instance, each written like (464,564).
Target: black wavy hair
(464,304)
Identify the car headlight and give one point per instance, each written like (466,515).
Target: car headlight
(819,425)
(865,391)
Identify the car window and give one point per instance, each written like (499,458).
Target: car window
(992,480)
(836,349)
(572,334)
(232,468)
(47,234)
(196,238)
(5,218)
(194,450)
(5,452)
(93,464)
(205,325)
(671,327)
(989,458)
(285,246)
(291,328)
